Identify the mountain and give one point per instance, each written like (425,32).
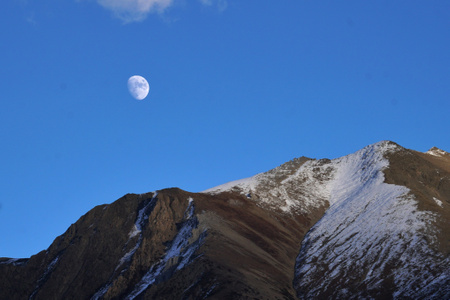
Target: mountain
(372,224)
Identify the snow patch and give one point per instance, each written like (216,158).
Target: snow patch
(178,254)
(210,290)
(15,261)
(142,216)
(305,185)
(101,292)
(44,276)
(438,202)
(9,261)
(241,184)
(437,152)
(369,227)
(285,189)
(137,228)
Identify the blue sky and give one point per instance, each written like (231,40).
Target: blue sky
(236,88)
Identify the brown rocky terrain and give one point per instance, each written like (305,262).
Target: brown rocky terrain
(346,228)
(242,251)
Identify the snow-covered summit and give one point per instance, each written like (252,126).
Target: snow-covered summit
(251,183)
(437,152)
(303,183)
(368,224)
(377,223)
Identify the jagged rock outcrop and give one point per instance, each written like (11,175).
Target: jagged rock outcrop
(373,224)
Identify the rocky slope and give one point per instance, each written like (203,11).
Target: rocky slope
(373,224)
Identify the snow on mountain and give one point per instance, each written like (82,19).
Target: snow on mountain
(298,185)
(304,184)
(438,202)
(437,152)
(371,232)
(178,255)
(370,227)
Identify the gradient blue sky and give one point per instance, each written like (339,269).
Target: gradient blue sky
(236,88)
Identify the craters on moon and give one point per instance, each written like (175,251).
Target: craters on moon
(138,87)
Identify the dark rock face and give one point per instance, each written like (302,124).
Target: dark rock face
(169,245)
(371,224)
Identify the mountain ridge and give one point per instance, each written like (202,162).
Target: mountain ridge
(350,227)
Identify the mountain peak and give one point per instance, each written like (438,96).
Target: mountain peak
(371,224)
(437,152)
(304,184)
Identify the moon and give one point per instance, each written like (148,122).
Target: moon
(138,87)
